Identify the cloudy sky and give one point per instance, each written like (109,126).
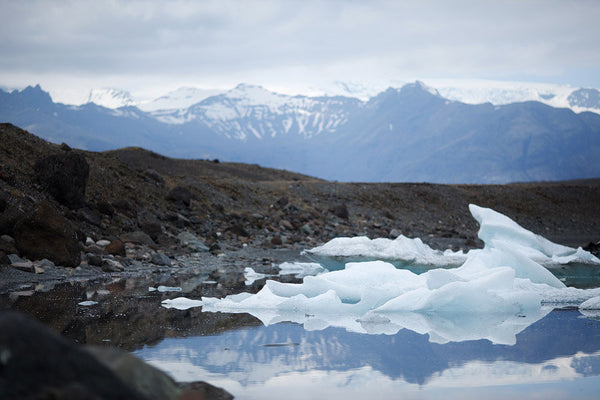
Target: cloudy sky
(149,47)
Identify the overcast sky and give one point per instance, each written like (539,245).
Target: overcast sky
(149,47)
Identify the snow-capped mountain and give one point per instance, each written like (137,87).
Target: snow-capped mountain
(410,134)
(181,98)
(252,111)
(501,93)
(110,98)
(173,107)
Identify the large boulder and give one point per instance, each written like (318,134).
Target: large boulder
(45,233)
(36,362)
(64,176)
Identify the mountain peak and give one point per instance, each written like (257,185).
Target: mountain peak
(110,98)
(35,94)
(420,86)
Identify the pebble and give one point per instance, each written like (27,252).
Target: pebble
(160,259)
(109,265)
(26,266)
(103,243)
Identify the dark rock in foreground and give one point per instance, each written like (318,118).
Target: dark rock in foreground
(38,363)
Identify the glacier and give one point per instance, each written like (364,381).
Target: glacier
(491,293)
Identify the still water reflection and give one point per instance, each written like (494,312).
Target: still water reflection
(556,357)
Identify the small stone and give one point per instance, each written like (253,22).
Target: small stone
(282,202)
(109,265)
(306,229)
(285,224)
(38,269)
(276,240)
(116,248)
(26,266)
(45,263)
(341,211)
(160,259)
(137,237)
(94,259)
(13,258)
(394,233)
(181,195)
(103,243)
(89,241)
(7,239)
(155,176)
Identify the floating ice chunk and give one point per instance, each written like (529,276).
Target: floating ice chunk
(251,276)
(163,289)
(502,254)
(496,227)
(300,270)
(402,249)
(87,303)
(591,304)
(181,303)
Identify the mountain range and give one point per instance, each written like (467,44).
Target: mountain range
(409,134)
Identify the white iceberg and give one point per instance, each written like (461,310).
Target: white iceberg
(495,228)
(591,304)
(402,252)
(495,293)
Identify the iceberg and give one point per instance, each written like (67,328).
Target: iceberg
(495,227)
(494,293)
(403,252)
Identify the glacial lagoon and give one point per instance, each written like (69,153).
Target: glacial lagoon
(505,323)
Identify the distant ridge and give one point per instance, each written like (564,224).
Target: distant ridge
(408,134)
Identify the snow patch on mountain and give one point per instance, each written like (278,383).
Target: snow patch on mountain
(181,98)
(110,98)
(501,92)
(253,111)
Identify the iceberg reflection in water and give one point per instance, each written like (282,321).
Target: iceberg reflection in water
(454,327)
(560,354)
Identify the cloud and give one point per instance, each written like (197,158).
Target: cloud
(222,41)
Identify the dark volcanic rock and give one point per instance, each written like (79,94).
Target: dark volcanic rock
(45,233)
(341,211)
(116,248)
(180,194)
(137,237)
(146,379)
(64,176)
(36,362)
(160,259)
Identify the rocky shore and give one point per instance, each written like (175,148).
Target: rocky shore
(68,215)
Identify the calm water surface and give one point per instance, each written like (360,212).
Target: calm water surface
(557,357)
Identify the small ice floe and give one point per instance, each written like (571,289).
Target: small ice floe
(181,303)
(403,252)
(165,289)
(591,304)
(301,269)
(87,303)
(251,276)
(591,308)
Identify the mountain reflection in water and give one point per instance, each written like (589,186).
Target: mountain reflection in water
(254,362)
(557,356)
